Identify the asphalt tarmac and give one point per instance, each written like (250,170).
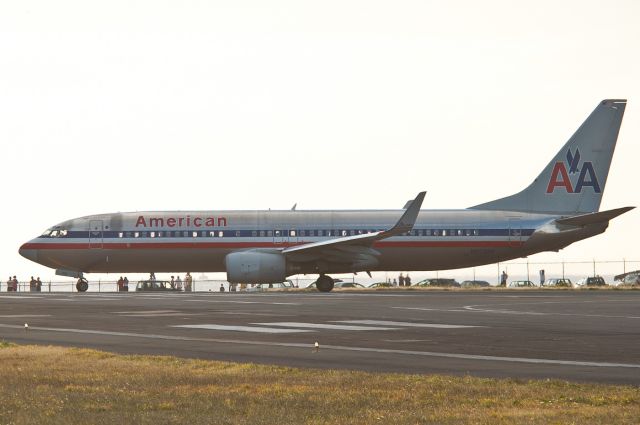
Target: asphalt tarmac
(591,336)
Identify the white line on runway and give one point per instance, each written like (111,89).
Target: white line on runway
(325,326)
(430,309)
(256,329)
(8,316)
(337,347)
(406,324)
(23,297)
(240,302)
(146,312)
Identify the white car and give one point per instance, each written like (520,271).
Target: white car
(287,284)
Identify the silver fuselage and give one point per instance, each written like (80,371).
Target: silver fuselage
(198,241)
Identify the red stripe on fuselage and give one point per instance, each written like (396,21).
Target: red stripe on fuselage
(238,245)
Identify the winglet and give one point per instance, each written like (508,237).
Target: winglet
(408,219)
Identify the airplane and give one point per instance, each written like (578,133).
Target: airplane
(560,207)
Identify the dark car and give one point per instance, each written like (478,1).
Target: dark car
(592,281)
(439,282)
(348,285)
(154,285)
(475,284)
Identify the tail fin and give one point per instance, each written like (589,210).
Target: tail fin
(574,180)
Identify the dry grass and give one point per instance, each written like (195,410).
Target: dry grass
(53,385)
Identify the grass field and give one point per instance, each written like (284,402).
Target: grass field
(54,385)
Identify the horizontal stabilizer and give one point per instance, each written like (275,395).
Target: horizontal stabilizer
(593,218)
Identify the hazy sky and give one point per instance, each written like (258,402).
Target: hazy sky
(147,105)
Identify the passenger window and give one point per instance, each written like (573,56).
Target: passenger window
(185,234)
(254,233)
(352,232)
(444,233)
(459,232)
(153,234)
(237,233)
(212,234)
(262,233)
(144,234)
(292,233)
(220,234)
(427,232)
(159,234)
(120,234)
(476,232)
(344,233)
(194,234)
(136,234)
(301,232)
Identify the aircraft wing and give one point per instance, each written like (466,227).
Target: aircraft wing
(349,248)
(593,218)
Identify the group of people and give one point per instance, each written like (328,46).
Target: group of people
(403,280)
(12,284)
(178,284)
(123,284)
(35,285)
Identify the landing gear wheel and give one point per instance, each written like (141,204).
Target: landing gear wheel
(324,283)
(82,285)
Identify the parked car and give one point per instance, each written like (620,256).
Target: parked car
(475,283)
(155,285)
(521,284)
(558,282)
(347,285)
(591,281)
(287,284)
(380,285)
(630,278)
(439,282)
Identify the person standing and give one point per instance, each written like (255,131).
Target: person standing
(503,278)
(38,284)
(32,285)
(9,284)
(188,281)
(401,280)
(125,284)
(542,279)
(173,283)
(407,280)
(178,283)
(120,284)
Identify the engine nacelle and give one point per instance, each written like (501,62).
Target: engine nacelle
(255,267)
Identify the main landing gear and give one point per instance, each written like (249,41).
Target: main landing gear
(324,283)
(82,285)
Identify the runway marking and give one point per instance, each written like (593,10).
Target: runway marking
(146,312)
(256,329)
(337,348)
(19,297)
(407,324)
(473,308)
(430,309)
(240,302)
(325,326)
(8,316)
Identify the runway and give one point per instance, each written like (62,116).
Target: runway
(575,335)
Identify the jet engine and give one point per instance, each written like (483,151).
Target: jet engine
(255,267)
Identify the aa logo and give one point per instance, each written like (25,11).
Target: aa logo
(560,175)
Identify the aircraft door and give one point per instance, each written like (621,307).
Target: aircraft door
(515,232)
(96,235)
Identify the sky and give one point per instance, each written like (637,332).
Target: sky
(196,105)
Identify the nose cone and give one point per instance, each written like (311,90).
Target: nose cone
(28,252)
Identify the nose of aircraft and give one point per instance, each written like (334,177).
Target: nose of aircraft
(28,252)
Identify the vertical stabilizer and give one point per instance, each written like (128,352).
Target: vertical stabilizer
(573,182)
